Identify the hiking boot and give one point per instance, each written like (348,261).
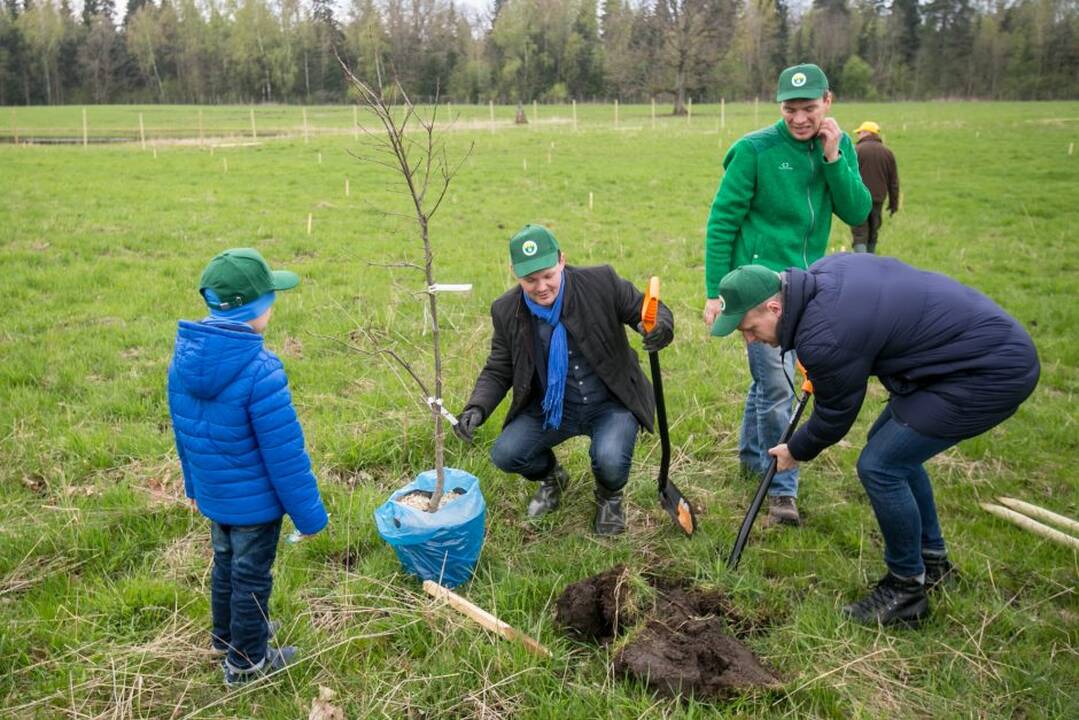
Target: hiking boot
(549,493)
(275,659)
(610,515)
(781,511)
(893,601)
(939,571)
(218,649)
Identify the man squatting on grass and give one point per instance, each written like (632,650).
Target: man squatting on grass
(955,365)
(774,208)
(242,452)
(559,343)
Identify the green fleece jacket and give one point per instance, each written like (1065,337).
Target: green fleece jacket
(774,205)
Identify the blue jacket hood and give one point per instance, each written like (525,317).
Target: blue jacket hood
(209,356)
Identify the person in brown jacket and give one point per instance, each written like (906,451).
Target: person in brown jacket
(880,175)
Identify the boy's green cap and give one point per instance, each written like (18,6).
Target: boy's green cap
(240,275)
(802,82)
(742,290)
(533,248)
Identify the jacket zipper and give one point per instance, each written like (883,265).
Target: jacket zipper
(812,214)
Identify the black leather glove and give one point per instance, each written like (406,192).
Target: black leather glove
(467,422)
(660,337)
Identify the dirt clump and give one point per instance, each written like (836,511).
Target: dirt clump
(596,607)
(684,643)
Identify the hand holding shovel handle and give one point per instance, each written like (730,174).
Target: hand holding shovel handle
(762,489)
(670,497)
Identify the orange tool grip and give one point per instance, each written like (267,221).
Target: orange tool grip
(807,386)
(651,305)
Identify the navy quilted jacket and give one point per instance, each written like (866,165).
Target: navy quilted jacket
(240,444)
(954,362)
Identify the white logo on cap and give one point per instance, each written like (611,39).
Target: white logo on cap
(722,304)
(798,79)
(529,248)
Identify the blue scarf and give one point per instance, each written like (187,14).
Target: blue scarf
(557,356)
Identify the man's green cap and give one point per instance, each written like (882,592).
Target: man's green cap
(742,290)
(802,82)
(533,248)
(240,275)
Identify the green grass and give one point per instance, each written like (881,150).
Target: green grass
(103,572)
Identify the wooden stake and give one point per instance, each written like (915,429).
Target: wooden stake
(254,132)
(484,618)
(319,157)
(574,116)
(1071,145)
(689,111)
(1032,525)
(1041,513)
(723,112)
(142,132)
(347,191)
(653,113)
(310,219)
(524,164)
(85,133)
(305,138)
(155,152)
(491,104)
(226,160)
(589,201)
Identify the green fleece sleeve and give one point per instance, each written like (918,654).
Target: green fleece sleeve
(851,200)
(728,211)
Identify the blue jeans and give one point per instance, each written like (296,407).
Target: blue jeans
(890,468)
(240,589)
(768,410)
(524,447)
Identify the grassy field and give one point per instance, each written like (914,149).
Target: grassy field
(104,608)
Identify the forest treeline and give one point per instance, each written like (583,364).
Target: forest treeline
(229,51)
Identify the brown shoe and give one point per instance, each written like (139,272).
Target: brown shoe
(781,511)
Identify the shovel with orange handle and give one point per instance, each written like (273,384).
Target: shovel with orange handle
(670,497)
(762,489)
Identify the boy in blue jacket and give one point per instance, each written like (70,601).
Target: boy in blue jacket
(242,452)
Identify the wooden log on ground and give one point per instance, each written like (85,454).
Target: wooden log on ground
(1032,525)
(484,618)
(1040,513)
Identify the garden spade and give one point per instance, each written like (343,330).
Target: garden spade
(762,489)
(670,497)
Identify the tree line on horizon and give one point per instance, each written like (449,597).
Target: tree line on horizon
(285,51)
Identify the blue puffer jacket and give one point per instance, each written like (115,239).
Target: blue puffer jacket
(240,444)
(954,362)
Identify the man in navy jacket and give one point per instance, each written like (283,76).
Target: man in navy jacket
(955,365)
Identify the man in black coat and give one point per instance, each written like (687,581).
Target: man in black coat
(876,163)
(559,342)
(953,361)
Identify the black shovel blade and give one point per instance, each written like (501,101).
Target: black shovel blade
(670,497)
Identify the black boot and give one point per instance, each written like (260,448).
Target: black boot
(549,493)
(610,516)
(939,571)
(893,601)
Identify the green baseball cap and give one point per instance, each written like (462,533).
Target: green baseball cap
(533,248)
(740,291)
(241,275)
(802,82)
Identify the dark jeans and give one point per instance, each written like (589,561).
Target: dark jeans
(890,468)
(524,447)
(864,236)
(240,589)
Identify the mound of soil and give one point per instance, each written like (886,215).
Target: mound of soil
(684,645)
(595,608)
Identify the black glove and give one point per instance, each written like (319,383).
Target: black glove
(660,336)
(467,422)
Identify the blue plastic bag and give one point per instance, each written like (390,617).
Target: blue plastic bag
(443,546)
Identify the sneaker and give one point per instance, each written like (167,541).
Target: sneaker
(549,493)
(893,601)
(275,659)
(221,651)
(610,515)
(939,571)
(781,511)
